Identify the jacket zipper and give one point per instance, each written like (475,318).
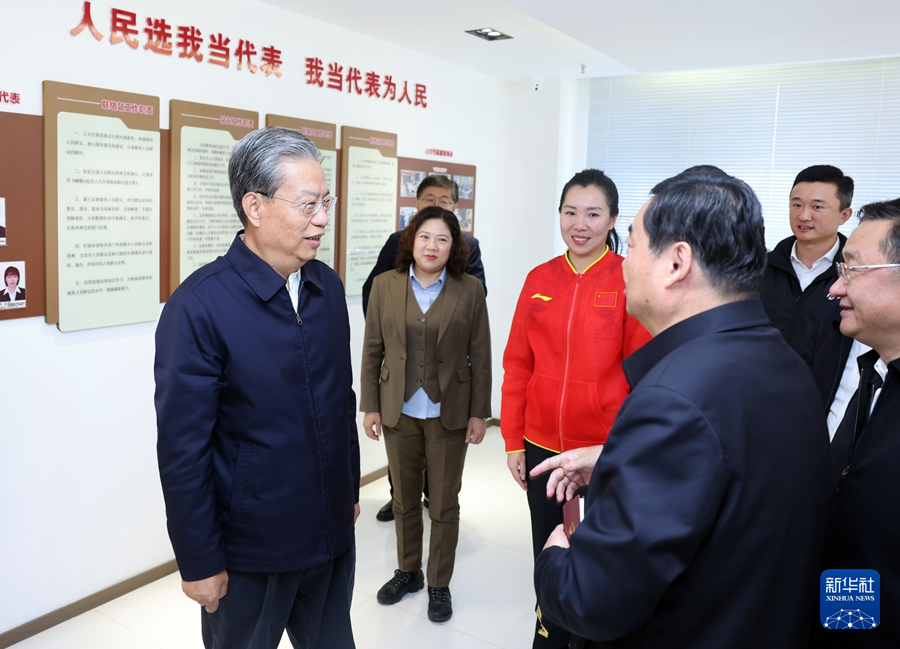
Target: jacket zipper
(562,398)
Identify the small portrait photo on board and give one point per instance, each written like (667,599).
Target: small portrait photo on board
(409,182)
(12,296)
(466,187)
(2,221)
(406,214)
(465,219)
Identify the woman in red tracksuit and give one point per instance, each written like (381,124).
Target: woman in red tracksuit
(563,381)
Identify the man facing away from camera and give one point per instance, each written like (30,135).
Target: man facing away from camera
(706,509)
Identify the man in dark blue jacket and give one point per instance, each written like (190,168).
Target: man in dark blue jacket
(257,446)
(705,512)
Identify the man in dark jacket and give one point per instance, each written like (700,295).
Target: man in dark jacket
(257,441)
(801,267)
(863,526)
(706,509)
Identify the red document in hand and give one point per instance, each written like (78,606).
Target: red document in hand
(573,514)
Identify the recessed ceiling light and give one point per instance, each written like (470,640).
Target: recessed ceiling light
(488,34)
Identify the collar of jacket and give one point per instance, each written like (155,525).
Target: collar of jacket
(780,256)
(260,276)
(398,291)
(867,362)
(741,314)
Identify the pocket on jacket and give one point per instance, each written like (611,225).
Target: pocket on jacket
(464,373)
(239,489)
(385,372)
(585,421)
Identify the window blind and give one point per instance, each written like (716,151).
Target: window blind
(762,125)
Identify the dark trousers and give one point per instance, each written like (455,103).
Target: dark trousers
(545,516)
(312,604)
(411,447)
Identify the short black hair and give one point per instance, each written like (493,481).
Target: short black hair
(596,178)
(881,211)
(832,176)
(721,218)
(441,181)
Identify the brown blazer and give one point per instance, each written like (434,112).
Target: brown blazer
(463,353)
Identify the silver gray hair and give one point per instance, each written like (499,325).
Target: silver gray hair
(256,162)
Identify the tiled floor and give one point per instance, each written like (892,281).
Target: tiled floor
(492,588)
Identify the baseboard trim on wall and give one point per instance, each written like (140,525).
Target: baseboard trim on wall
(60,615)
(492,422)
(372,477)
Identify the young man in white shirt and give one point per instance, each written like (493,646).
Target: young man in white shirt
(801,267)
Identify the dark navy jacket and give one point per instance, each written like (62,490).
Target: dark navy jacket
(256,416)
(706,510)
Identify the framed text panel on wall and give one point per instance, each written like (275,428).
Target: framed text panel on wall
(413,171)
(324,136)
(101,206)
(21,215)
(368,202)
(203,220)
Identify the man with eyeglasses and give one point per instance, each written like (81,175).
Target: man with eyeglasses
(256,415)
(801,267)
(434,190)
(863,529)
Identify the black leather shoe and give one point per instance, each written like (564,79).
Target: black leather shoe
(386,513)
(400,584)
(439,607)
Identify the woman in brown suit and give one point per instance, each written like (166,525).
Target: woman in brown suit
(426,386)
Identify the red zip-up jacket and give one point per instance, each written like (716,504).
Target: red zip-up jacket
(563,381)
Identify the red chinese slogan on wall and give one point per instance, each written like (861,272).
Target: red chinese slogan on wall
(187,40)
(370,84)
(7,97)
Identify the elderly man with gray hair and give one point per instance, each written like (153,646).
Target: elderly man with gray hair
(256,416)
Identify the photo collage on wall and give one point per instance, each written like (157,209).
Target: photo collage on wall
(413,171)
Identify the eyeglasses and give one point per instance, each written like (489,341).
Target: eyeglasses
(446,203)
(310,208)
(844,270)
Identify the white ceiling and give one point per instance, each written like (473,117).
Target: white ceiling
(555,38)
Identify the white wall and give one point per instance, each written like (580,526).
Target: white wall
(80,502)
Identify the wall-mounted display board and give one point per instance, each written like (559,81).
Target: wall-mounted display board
(203,221)
(413,171)
(21,216)
(368,201)
(101,206)
(324,136)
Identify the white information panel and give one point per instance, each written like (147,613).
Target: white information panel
(208,220)
(108,210)
(371,211)
(326,250)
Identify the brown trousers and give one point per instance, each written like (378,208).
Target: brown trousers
(411,447)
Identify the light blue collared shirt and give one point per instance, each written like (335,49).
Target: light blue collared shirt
(419,405)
